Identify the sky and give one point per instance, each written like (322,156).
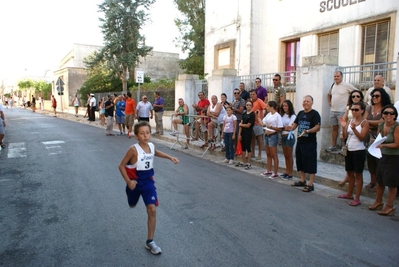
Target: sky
(36,34)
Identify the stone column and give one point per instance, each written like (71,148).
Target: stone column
(185,88)
(222,82)
(315,78)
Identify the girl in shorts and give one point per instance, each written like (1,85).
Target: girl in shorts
(245,135)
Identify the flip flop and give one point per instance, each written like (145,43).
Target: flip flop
(345,196)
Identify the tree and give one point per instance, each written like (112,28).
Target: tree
(192,30)
(124,45)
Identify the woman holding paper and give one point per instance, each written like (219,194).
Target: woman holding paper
(354,132)
(379,98)
(388,167)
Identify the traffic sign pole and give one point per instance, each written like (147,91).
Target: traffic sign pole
(139,79)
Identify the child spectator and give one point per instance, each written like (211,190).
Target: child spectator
(245,135)
(228,134)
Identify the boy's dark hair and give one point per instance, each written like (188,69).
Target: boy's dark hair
(129,94)
(141,124)
(272,104)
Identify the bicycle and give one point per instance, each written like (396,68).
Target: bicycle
(192,125)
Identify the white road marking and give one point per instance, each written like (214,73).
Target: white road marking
(16,150)
(53,142)
(52,147)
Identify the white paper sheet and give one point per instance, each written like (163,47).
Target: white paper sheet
(373,150)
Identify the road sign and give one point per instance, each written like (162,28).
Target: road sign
(139,76)
(60,82)
(60,85)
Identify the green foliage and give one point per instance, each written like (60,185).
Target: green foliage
(124,45)
(192,30)
(38,87)
(166,88)
(25,84)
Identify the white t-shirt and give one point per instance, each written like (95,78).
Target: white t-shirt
(143,109)
(339,96)
(287,121)
(93,100)
(274,120)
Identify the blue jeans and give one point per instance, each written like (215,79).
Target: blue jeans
(229,144)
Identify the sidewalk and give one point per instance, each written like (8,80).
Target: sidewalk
(328,174)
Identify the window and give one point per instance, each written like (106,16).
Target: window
(328,44)
(292,57)
(224,55)
(375,43)
(292,60)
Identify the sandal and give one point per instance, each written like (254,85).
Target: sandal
(354,202)
(389,212)
(204,145)
(299,183)
(2,145)
(376,206)
(345,196)
(248,166)
(343,182)
(308,188)
(239,164)
(194,139)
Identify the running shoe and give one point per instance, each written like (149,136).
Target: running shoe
(154,248)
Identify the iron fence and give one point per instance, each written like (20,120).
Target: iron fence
(362,76)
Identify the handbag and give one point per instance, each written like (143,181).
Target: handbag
(344,150)
(239,148)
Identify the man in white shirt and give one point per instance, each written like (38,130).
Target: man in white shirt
(93,105)
(337,98)
(378,83)
(144,110)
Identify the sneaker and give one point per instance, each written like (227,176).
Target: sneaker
(184,146)
(266,174)
(284,174)
(239,164)
(120,134)
(331,149)
(248,166)
(123,133)
(174,133)
(274,176)
(287,177)
(153,248)
(225,161)
(231,162)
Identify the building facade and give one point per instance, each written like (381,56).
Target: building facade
(72,71)
(255,36)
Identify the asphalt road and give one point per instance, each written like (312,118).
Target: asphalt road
(62,203)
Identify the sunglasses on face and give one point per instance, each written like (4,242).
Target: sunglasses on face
(355,109)
(389,113)
(236,93)
(356,96)
(375,96)
(275,80)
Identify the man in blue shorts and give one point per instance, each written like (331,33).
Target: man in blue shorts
(120,115)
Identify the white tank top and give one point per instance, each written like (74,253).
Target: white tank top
(353,142)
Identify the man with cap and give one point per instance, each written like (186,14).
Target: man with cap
(93,104)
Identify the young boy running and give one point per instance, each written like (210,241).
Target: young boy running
(136,168)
